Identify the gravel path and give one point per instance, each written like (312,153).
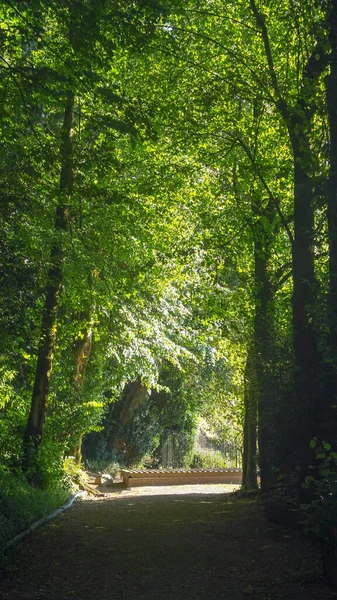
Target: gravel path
(179,543)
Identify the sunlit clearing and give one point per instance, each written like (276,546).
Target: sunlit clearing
(180,490)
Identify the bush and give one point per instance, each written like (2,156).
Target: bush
(209,459)
(97,457)
(103,466)
(21,505)
(320,516)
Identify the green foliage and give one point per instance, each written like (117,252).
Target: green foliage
(72,474)
(21,505)
(97,457)
(183,140)
(320,515)
(209,459)
(103,466)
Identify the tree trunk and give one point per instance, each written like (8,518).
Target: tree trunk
(298,119)
(34,429)
(257,388)
(83,347)
(263,327)
(249,474)
(123,413)
(331,84)
(309,401)
(329,420)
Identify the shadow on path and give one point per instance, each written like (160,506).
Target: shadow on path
(153,545)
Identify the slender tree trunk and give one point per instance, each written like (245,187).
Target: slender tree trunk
(307,361)
(304,294)
(249,473)
(310,377)
(331,82)
(298,119)
(263,327)
(123,413)
(329,420)
(34,429)
(257,388)
(83,347)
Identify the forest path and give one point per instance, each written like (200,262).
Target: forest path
(164,543)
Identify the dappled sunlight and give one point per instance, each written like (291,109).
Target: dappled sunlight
(166,490)
(168,261)
(165,546)
(183,490)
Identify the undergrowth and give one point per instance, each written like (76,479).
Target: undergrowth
(21,505)
(103,466)
(209,459)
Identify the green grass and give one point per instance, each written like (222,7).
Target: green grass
(21,505)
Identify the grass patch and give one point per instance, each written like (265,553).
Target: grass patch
(21,505)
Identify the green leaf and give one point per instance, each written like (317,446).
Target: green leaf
(326,472)
(309,479)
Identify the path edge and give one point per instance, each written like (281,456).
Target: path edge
(44,520)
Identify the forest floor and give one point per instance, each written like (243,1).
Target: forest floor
(180,543)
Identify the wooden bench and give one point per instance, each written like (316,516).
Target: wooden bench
(142,477)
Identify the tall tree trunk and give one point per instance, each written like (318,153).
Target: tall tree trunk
(34,429)
(263,327)
(123,413)
(298,119)
(82,351)
(249,473)
(329,421)
(331,82)
(309,401)
(257,388)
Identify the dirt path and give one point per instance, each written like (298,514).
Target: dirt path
(164,543)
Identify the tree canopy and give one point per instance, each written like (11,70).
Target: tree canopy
(168,244)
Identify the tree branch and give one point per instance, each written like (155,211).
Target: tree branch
(267,188)
(283,279)
(222,16)
(314,67)
(281,269)
(240,58)
(260,21)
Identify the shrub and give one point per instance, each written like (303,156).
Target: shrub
(103,466)
(21,505)
(208,459)
(97,456)
(320,516)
